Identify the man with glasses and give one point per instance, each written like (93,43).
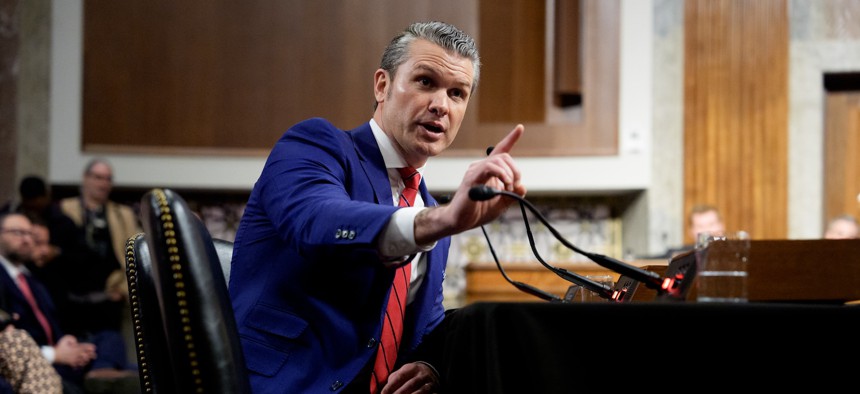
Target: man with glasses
(103,227)
(28,300)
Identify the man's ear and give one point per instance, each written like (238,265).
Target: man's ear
(381,84)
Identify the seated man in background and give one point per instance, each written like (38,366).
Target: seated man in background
(28,299)
(23,368)
(36,202)
(842,227)
(703,218)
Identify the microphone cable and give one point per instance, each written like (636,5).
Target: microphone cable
(600,289)
(519,285)
(649,278)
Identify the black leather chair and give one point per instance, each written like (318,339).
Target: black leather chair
(201,350)
(153,360)
(224,249)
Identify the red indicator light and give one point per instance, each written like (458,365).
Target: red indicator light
(667,283)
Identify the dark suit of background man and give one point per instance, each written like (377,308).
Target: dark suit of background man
(322,234)
(72,359)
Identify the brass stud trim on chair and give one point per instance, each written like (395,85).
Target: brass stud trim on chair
(177,267)
(131,276)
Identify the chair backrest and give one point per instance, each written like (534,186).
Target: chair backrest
(199,325)
(224,249)
(153,360)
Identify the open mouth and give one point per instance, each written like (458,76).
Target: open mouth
(432,128)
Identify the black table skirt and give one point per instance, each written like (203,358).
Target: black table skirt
(537,347)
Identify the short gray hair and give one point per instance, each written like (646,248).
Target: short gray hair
(440,33)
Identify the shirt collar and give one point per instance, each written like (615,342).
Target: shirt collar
(389,154)
(11,268)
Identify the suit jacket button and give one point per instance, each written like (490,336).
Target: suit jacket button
(336,385)
(337,234)
(351,234)
(371,342)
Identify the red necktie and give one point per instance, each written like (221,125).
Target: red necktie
(28,294)
(392,326)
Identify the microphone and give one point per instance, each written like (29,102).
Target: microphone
(649,278)
(482,193)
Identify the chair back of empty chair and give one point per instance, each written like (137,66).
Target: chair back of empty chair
(153,360)
(224,249)
(200,329)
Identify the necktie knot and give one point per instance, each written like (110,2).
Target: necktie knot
(411,180)
(410,176)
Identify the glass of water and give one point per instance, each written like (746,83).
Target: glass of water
(722,267)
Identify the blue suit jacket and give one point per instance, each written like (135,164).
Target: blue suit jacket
(307,284)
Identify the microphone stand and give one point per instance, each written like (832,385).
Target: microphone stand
(600,289)
(651,279)
(520,285)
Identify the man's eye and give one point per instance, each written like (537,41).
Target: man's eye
(424,81)
(457,93)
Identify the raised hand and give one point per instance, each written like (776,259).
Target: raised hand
(499,171)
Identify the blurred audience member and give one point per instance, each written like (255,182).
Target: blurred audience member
(704,218)
(842,227)
(29,301)
(75,359)
(46,264)
(217,222)
(106,224)
(37,204)
(43,251)
(55,241)
(23,367)
(103,228)
(701,218)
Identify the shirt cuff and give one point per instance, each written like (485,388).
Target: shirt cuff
(397,240)
(49,353)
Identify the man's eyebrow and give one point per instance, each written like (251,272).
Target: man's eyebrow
(464,83)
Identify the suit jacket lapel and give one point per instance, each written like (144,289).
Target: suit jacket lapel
(372,163)
(12,284)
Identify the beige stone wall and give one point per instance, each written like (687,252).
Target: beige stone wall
(25,84)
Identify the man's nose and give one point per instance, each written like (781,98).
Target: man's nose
(439,103)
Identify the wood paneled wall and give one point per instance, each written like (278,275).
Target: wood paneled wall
(226,77)
(736,112)
(519,92)
(232,76)
(567,78)
(514,53)
(842,158)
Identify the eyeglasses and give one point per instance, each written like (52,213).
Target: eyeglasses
(18,232)
(100,177)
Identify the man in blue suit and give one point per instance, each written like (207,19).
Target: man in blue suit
(322,235)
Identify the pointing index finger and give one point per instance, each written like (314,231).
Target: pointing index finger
(507,143)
